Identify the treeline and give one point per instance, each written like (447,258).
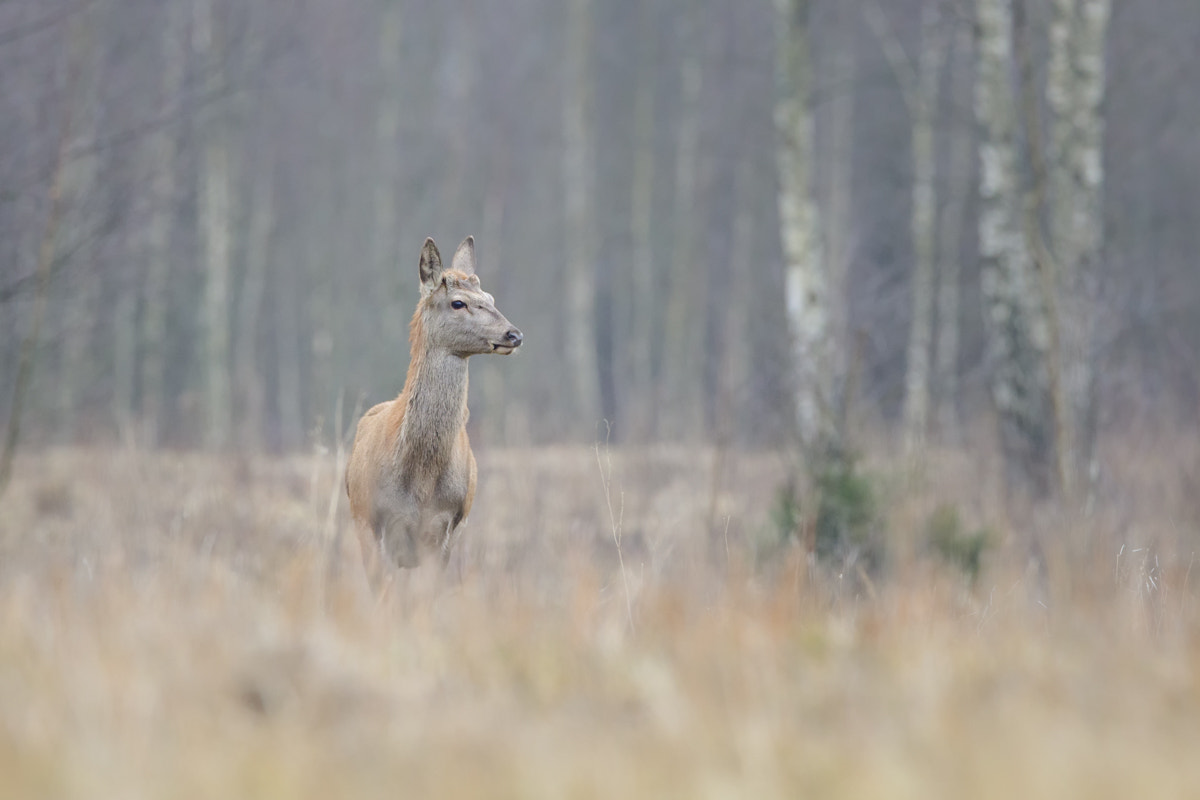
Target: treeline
(211,211)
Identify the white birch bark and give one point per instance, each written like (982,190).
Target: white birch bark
(807,284)
(1075,91)
(578,169)
(1017,329)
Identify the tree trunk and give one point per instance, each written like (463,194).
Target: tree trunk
(249,384)
(124,321)
(681,333)
(578,172)
(288,350)
(643,305)
(1075,92)
(837,214)
(78,307)
(47,249)
(498,417)
(1016,322)
(161,156)
(807,282)
(919,85)
(958,181)
(923,107)
(384,245)
(214,234)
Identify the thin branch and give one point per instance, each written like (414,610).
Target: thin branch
(46,253)
(893,51)
(22,30)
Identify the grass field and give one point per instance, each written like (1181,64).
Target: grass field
(192,626)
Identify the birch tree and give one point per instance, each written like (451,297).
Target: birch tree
(807,283)
(1075,91)
(1017,328)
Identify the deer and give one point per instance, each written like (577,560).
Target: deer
(411,474)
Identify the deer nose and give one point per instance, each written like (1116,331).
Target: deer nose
(514,337)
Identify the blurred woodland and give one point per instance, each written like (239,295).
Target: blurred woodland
(727,222)
(889,309)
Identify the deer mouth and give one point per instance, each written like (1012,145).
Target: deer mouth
(502,349)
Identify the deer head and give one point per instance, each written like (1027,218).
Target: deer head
(455,314)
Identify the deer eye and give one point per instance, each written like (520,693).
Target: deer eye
(458,305)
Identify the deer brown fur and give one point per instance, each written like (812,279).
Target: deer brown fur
(411,473)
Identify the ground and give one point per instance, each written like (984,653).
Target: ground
(195,626)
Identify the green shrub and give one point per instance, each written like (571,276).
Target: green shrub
(947,538)
(847,528)
(787,515)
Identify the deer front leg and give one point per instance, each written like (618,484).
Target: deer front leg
(397,536)
(387,544)
(448,541)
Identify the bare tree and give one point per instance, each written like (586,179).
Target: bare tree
(641,201)
(807,281)
(1075,90)
(79,290)
(47,252)
(680,360)
(919,83)
(385,246)
(161,149)
(958,135)
(578,173)
(248,375)
(215,219)
(1018,332)
(723,215)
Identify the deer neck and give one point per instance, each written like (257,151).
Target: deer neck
(434,402)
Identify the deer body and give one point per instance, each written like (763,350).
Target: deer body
(411,474)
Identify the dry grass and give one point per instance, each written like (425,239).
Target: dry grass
(180,625)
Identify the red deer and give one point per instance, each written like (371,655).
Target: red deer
(411,473)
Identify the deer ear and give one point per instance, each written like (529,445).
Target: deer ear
(431,265)
(464,257)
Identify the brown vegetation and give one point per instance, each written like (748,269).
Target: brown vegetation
(190,625)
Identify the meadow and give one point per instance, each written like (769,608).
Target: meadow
(624,623)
